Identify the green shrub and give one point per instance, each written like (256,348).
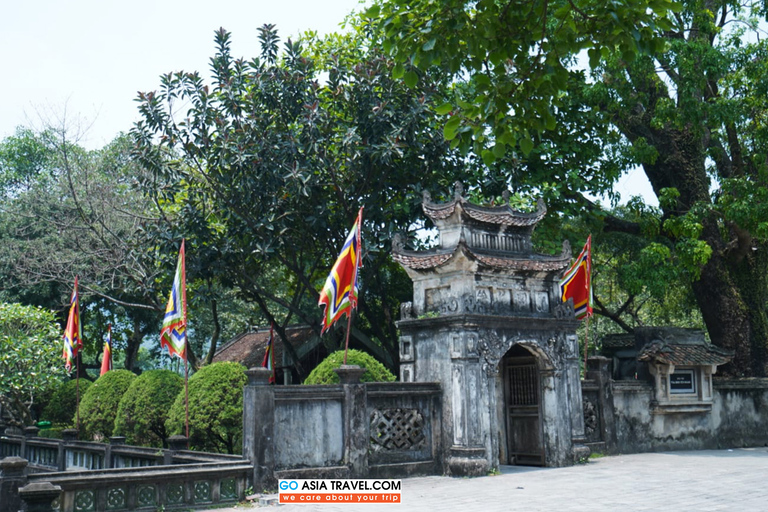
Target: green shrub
(98,407)
(144,408)
(63,401)
(215,408)
(374,370)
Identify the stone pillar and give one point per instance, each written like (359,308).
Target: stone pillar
(600,371)
(176,444)
(356,427)
(259,426)
(69,436)
(39,496)
(113,441)
(13,475)
(575,399)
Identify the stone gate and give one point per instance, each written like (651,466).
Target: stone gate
(487,323)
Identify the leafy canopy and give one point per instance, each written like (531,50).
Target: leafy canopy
(30,358)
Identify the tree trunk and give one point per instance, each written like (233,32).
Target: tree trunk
(134,342)
(731,291)
(216,332)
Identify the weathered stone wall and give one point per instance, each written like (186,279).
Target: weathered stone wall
(738,418)
(348,430)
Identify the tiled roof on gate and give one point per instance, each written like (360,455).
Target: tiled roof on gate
(433,259)
(497,215)
(684,354)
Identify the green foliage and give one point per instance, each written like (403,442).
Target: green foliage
(272,162)
(215,408)
(98,407)
(514,57)
(63,401)
(374,370)
(30,358)
(144,408)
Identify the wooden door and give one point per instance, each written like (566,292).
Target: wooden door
(523,411)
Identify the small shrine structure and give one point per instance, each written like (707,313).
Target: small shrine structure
(487,323)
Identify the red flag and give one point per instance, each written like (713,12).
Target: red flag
(106,360)
(73,336)
(576,284)
(269,355)
(339,295)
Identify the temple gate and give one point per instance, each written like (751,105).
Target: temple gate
(486,322)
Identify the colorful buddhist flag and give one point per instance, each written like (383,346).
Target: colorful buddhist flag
(269,355)
(174,332)
(339,295)
(576,284)
(73,335)
(106,360)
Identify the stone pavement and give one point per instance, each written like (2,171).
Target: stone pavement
(671,482)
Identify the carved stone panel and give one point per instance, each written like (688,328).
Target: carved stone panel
(406,348)
(397,430)
(435,297)
(522,302)
(541,302)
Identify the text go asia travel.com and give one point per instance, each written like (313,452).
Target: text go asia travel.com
(339,491)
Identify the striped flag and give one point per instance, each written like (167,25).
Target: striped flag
(339,295)
(106,360)
(269,355)
(73,334)
(577,282)
(174,332)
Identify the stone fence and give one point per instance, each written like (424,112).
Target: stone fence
(349,430)
(91,477)
(624,416)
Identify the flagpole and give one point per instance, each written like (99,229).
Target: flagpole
(349,326)
(186,395)
(186,337)
(586,346)
(77,393)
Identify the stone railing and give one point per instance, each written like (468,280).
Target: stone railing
(92,477)
(349,430)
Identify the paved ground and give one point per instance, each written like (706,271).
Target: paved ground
(671,482)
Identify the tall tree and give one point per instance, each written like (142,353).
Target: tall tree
(675,88)
(269,166)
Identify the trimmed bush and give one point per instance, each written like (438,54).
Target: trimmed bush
(374,370)
(144,408)
(98,406)
(63,401)
(215,409)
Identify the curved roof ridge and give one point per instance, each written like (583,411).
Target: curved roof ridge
(499,215)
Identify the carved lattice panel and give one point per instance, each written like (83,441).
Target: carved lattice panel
(116,498)
(397,430)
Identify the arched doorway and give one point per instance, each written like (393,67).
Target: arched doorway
(522,407)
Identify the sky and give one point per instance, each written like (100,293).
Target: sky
(84,61)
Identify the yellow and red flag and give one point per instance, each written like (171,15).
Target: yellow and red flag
(73,335)
(174,332)
(106,360)
(577,282)
(339,295)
